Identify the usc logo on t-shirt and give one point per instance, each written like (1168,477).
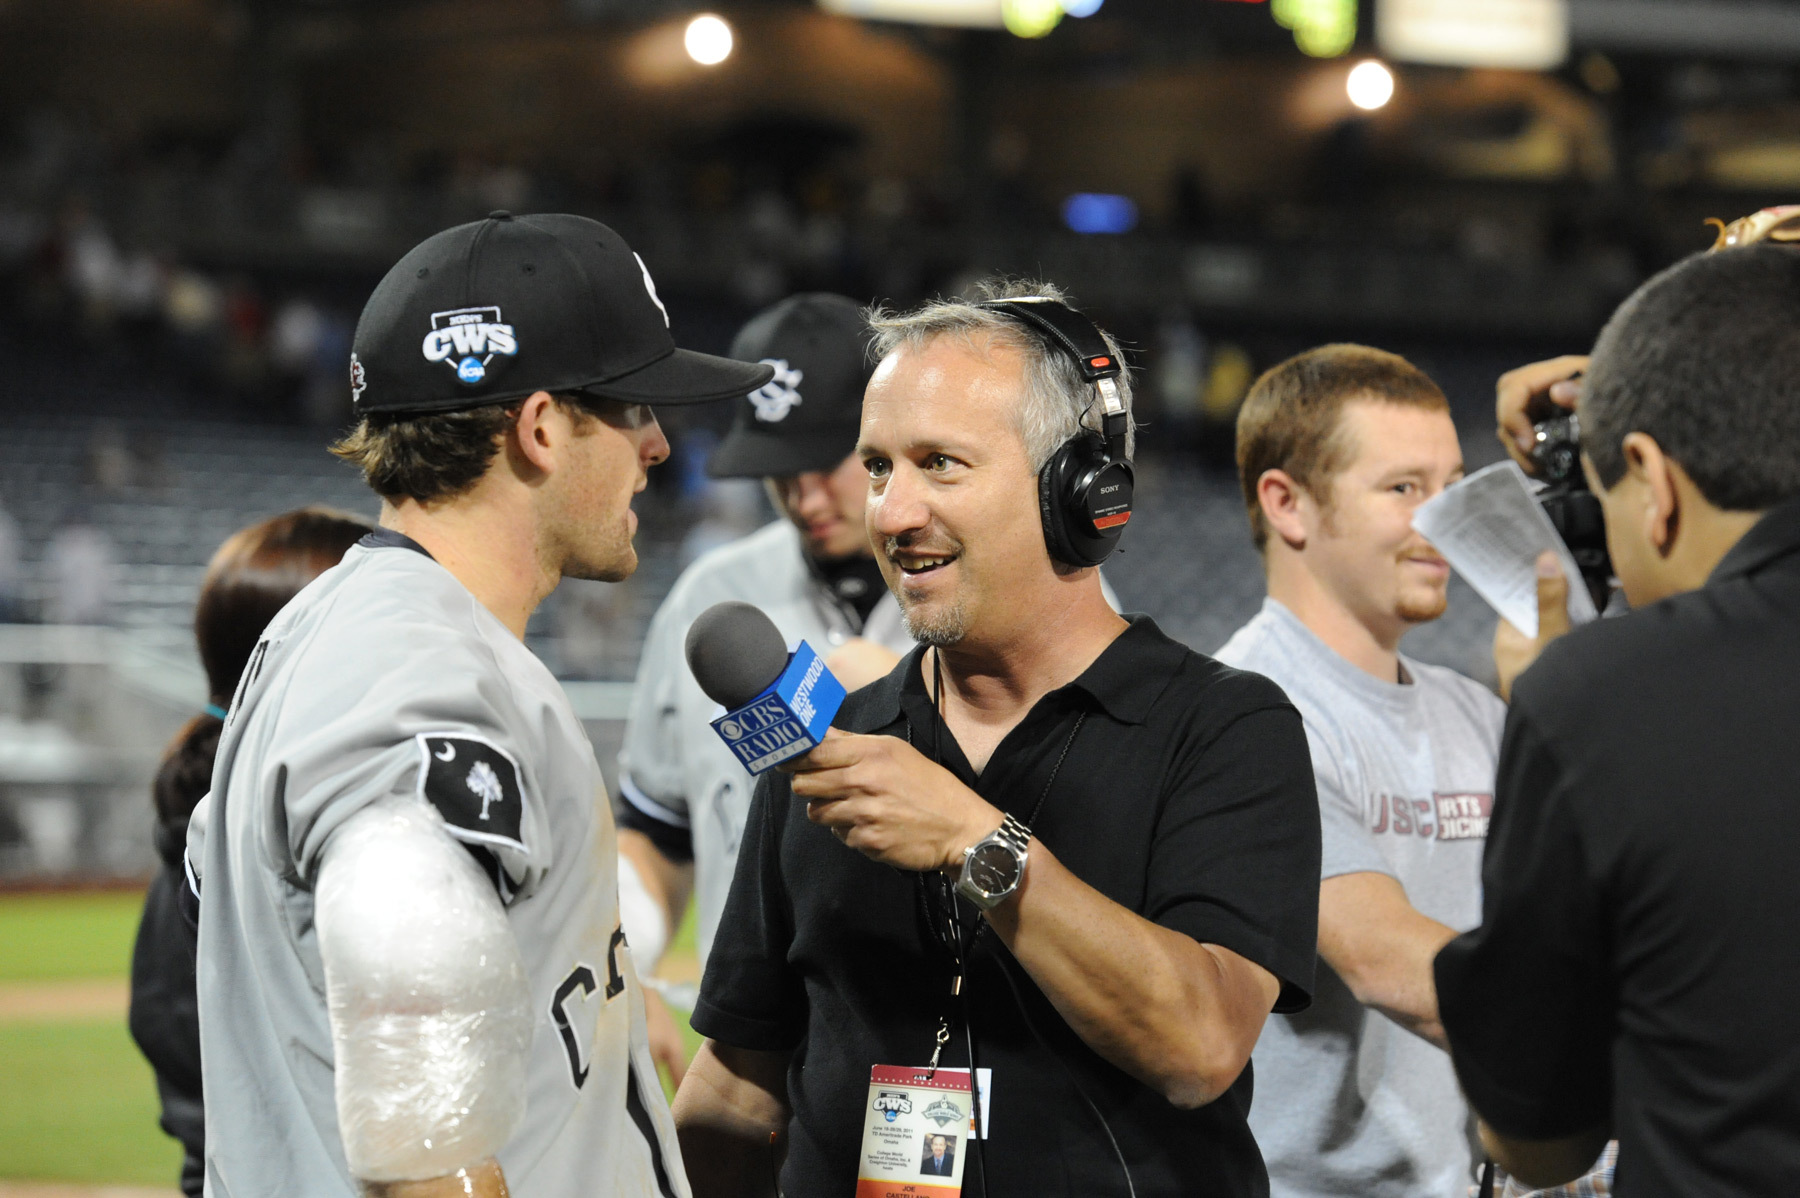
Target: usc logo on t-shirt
(1459,816)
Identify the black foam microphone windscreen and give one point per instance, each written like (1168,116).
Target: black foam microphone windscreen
(735,651)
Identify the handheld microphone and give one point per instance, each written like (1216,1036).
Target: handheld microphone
(777,705)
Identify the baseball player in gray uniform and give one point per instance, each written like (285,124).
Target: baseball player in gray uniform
(684,796)
(412,978)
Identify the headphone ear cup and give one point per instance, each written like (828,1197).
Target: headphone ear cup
(1052,507)
(1084,499)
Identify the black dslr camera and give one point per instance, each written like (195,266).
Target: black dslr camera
(1573,509)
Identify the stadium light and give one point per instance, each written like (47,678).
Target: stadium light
(1371,85)
(1031,18)
(708,39)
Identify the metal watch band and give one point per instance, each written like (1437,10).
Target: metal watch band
(1016,835)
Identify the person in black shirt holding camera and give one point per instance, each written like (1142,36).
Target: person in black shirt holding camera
(1634,975)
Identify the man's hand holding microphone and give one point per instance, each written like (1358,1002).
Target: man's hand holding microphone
(877,794)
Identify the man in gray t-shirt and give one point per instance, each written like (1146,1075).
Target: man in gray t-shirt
(1336,449)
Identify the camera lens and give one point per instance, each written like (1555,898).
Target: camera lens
(1560,461)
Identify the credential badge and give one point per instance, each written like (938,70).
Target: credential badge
(780,395)
(469,339)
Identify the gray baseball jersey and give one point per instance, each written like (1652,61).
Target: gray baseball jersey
(673,769)
(385,676)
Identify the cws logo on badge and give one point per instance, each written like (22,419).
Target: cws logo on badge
(893,1103)
(469,339)
(789,717)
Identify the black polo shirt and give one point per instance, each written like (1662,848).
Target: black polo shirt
(1637,955)
(1186,796)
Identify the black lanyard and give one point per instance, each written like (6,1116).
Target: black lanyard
(940,910)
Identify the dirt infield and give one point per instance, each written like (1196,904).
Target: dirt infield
(53,1002)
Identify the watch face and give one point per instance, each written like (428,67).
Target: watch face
(994,868)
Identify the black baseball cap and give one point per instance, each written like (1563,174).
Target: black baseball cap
(806,417)
(498,309)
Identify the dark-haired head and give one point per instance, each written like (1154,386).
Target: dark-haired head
(1705,359)
(251,577)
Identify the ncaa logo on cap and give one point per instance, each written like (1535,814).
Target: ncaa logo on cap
(779,396)
(468,340)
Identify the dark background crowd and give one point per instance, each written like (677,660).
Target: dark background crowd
(197,195)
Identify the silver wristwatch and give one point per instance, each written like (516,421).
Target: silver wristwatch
(993,866)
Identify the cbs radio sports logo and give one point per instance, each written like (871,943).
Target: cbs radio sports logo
(468,340)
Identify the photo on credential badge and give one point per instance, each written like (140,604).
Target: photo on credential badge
(911,1129)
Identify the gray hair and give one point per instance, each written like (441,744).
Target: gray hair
(1058,401)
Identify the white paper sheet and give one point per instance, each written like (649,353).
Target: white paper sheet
(1491,530)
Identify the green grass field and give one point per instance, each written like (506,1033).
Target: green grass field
(77,1101)
(50,937)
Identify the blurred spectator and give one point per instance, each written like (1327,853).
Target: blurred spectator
(1178,374)
(254,573)
(82,568)
(294,336)
(730,510)
(12,601)
(94,267)
(109,461)
(192,304)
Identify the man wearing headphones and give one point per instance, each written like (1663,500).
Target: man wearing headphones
(684,795)
(1052,843)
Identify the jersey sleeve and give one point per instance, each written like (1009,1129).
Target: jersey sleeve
(1346,846)
(1526,998)
(652,781)
(1235,861)
(436,725)
(750,996)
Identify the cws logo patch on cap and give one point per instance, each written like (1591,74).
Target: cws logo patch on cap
(468,339)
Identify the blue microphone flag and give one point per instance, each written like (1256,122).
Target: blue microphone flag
(788,718)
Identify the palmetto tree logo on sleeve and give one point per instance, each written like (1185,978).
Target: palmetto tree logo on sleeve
(468,340)
(476,786)
(484,784)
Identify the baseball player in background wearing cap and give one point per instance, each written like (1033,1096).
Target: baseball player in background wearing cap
(684,796)
(406,869)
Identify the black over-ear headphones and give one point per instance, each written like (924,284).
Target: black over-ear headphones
(1084,490)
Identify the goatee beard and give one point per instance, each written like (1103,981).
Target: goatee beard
(940,630)
(1423,611)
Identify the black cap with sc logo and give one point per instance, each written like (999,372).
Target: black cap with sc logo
(806,417)
(500,308)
